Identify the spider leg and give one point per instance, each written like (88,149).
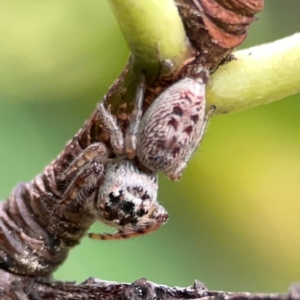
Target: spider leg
(82,177)
(135,119)
(116,134)
(96,150)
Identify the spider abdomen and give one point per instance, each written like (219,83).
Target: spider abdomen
(172,128)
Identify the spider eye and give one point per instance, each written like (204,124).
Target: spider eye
(113,198)
(145,196)
(142,212)
(127,207)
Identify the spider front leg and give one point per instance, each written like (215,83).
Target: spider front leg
(135,119)
(96,151)
(116,136)
(82,177)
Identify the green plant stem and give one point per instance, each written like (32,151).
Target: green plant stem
(153,30)
(259,75)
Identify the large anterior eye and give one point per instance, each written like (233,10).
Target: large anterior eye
(127,207)
(145,196)
(113,198)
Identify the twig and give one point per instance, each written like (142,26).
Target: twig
(18,287)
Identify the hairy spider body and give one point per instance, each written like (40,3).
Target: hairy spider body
(116,191)
(164,139)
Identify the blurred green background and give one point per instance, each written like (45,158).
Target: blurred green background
(235,215)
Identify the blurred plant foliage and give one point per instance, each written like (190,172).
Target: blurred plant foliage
(235,214)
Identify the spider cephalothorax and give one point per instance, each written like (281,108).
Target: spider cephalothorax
(127,200)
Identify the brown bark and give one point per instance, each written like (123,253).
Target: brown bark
(216,27)
(25,288)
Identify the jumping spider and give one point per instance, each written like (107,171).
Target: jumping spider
(164,139)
